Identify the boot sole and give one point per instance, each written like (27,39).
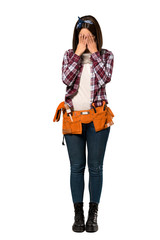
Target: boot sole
(91,229)
(78,229)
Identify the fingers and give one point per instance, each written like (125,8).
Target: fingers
(82,38)
(88,39)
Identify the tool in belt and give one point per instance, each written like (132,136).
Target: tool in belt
(72,120)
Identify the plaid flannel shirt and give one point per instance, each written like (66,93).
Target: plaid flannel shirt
(101,72)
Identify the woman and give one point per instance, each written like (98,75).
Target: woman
(86,69)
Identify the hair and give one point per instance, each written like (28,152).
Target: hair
(93,28)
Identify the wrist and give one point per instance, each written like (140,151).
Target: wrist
(96,50)
(77,53)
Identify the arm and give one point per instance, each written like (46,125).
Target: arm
(70,68)
(103,70)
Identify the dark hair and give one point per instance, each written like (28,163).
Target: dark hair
(93,28)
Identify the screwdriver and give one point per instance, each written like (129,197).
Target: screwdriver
(68,111)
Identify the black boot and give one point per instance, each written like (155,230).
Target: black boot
(91,224)
(79,223)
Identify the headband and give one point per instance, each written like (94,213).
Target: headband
(80,21)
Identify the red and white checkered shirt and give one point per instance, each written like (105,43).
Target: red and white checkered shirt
(101,73)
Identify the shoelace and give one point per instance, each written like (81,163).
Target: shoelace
(92,213)
(78,213)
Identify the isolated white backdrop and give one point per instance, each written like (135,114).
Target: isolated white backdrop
(35,197)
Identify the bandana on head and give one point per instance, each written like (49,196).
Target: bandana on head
(80,21)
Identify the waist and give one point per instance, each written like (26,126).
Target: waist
(85,116)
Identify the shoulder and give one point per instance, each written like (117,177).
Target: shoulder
(69,52)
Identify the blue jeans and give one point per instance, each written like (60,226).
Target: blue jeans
(76,146)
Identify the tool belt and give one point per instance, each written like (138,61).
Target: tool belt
(72,123)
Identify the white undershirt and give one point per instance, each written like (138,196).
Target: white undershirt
(81,101)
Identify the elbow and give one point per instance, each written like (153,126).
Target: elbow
(66,81)
(104,81)
(108,80)
(64,78)
(108,77)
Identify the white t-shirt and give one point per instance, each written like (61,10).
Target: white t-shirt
(81,101)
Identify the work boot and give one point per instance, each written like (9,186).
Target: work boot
(91,224)
(79,223)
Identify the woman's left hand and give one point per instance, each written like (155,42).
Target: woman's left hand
(91,44)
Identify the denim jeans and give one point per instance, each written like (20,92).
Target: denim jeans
(76,145)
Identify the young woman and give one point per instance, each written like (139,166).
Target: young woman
(86,69)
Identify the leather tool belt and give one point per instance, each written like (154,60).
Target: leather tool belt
(72,122)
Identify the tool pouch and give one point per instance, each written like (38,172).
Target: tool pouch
(69,127)
(58,112)
(102,118)
(99,120)
(109,117)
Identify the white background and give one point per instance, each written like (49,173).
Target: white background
(35,197)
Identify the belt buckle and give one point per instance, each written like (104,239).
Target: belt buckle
(84,113)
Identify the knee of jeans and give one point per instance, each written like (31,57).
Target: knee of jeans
(95,170)
(77,168)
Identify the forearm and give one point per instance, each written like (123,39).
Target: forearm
(70,68)
(103,70)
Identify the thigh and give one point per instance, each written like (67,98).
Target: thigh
(96,144)
(76,146)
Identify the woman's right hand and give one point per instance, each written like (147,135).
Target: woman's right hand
(81,47)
